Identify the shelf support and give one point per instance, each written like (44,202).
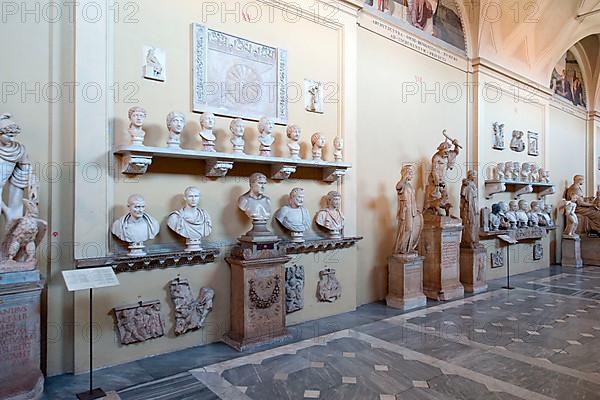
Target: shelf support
(135,164)
(491,188)
(218,168)
(282,171)
(332,174)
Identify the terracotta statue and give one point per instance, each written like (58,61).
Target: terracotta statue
(175,124)
(469,210)
(436,193)
(191,222)
(294,216)
(265,137)
(517,144)
(571,221)
(207,123)
(331,218)
(318,142)
(588,213)
(237,135)
(410,219)
(293,134)
(136,226)
(255,203)
(137,116)
(338,145)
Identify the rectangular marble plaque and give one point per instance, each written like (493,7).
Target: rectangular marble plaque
(90,278)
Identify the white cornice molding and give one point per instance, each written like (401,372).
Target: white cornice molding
(481,62)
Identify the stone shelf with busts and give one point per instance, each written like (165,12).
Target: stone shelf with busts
(494,186)
(136,159)
(519,234)
(152,260)
(319,244)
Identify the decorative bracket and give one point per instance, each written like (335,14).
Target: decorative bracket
(545,191)
(282,171)
(136,164)
(493,187)
(332,174)
(218,168)
(523,188)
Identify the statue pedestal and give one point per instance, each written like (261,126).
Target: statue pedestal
(405,282)
(571,252)
(472,268)
(20,375)
(257,307)
(440,247)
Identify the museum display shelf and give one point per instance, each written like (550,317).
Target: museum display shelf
(136,160)
(152,260)
(520,234)
(319,244)
(494,186)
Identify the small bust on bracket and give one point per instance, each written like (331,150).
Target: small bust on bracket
(136,226)
(137,116)
(293,134)
(265,137)
(331,218)
(294,216)
(318,142)
(237,135)
(207,123)
(338,145)
(191,222)
(175,124)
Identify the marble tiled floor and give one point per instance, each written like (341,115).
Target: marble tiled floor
(539,341)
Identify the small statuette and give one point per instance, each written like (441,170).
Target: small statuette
(517,143)
(136,226)
(498,136)
(137,115)
(338,145)
(237,135)
(571,220)
(207,123)
(175,124)
(191,222)
(293,134)
(331,218)
(265,137)
(294,216)
(318,142)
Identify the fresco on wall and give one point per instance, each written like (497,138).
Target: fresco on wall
(567,80)
(439,18)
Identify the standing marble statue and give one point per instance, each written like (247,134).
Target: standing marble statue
(587,212)
(175,124)
(293,133)
(331,218)
(265,137)
(469,210)
(571,221)
(136,226)
(498,136)
(318,142)
(191,222)
(137,116)
(338,145)
(237,135)
(294,216)
(207,123)
(410,219)
(436,192)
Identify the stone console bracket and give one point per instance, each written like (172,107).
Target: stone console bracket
(125,263)
(518,188)
(136,160)
(317,245)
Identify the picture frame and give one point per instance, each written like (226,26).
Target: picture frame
(533,143)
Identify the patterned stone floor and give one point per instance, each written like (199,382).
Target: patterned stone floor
(539,341)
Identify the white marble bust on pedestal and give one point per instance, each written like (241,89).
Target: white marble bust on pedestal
(294,216)
(522,214)
(136,226)
(293,134)
(265,137)
(338,153)
(137,116)
(318,142)
(191,222)
(207,123)
(255,203)
(331,218)
(237,135)
(175,124)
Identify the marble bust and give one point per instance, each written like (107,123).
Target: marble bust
(508,171)
(137,116)
(207,123)
(517,171)
(516,143)
(318,142)
(534,214)
(500,168)
(175,124)
(410,219)
(338,145)
(293,133)
(136,226)
(525,172)
(191,222)
(511,214)
(505,221)
(294,216)
(331,218)
(522,214)
(255,203)
(265,137)
(237,135)
(533,172)
(495,218)
(543,176)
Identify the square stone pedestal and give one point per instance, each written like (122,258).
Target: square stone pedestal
(405,282)
(257,309)
(590,251)
(472,268)
(20,375)
(571,252)
(440,247)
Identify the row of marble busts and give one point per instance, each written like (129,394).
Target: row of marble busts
(520,214)
(193,223)
(176,122)
(516,172)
